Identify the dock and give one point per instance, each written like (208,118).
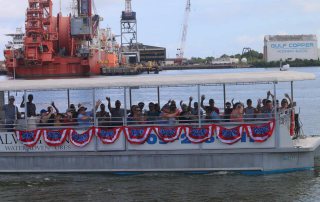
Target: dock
(129,71)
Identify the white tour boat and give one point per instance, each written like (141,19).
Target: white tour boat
(255,146)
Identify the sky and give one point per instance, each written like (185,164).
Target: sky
(216,27)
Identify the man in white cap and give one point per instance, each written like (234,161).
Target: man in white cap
(11,114)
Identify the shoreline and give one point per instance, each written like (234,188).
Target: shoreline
(199,67)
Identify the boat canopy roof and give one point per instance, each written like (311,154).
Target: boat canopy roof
(155,80)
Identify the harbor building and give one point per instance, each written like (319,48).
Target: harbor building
(290,47)
(151,53)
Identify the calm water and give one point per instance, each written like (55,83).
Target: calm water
(222,186)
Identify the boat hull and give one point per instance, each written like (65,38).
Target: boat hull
(255,161)
(155,156)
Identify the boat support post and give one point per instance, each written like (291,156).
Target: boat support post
(199,106)
(95,122)
(125,113)
(292,93)
(68,94)
(224,96)
(158,93)
(1,104)
(25,110)
(277,121)
(130,96)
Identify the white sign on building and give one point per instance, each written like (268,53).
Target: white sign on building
(290,47)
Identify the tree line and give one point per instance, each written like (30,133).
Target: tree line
(256,59)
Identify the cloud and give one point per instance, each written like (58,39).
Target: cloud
(12,9)
(308,6)
(251,41)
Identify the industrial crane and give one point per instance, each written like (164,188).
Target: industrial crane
(180,51)
(128,6)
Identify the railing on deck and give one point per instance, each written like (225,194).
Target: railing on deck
(25,127)
(34,122)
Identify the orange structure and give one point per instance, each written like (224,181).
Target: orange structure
(59,46)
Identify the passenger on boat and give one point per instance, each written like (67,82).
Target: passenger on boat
(211,111)
(285,104)
(261,104)
(84,117)
(132,108)
(44,116)
(185,115)
(59,120)
(227,112)
(268,111)
(103,116)
(47,117)
(31,107)
(11,114)
(291,104)
(68,119)
(73,111)
(53,111)
(237,113)
(194,110)
(141,106)
(136,117)
(170,113)
(249,111)
(117,113)
(152,114)
(157,108)
(269,94)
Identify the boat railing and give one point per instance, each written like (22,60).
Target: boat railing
(34,123)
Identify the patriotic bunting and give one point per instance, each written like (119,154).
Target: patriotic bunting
(137,135)
(55,138)
(81,140)
(29,138)
(199,135)
(168,134)
(109,136)
(229,136)
(260,133)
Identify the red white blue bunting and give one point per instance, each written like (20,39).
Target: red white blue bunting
(137,135)
(55,138)
(29,138)
(199,135)
(109,136)
(81,140)
(168,134)
(260,133)
(229,136)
